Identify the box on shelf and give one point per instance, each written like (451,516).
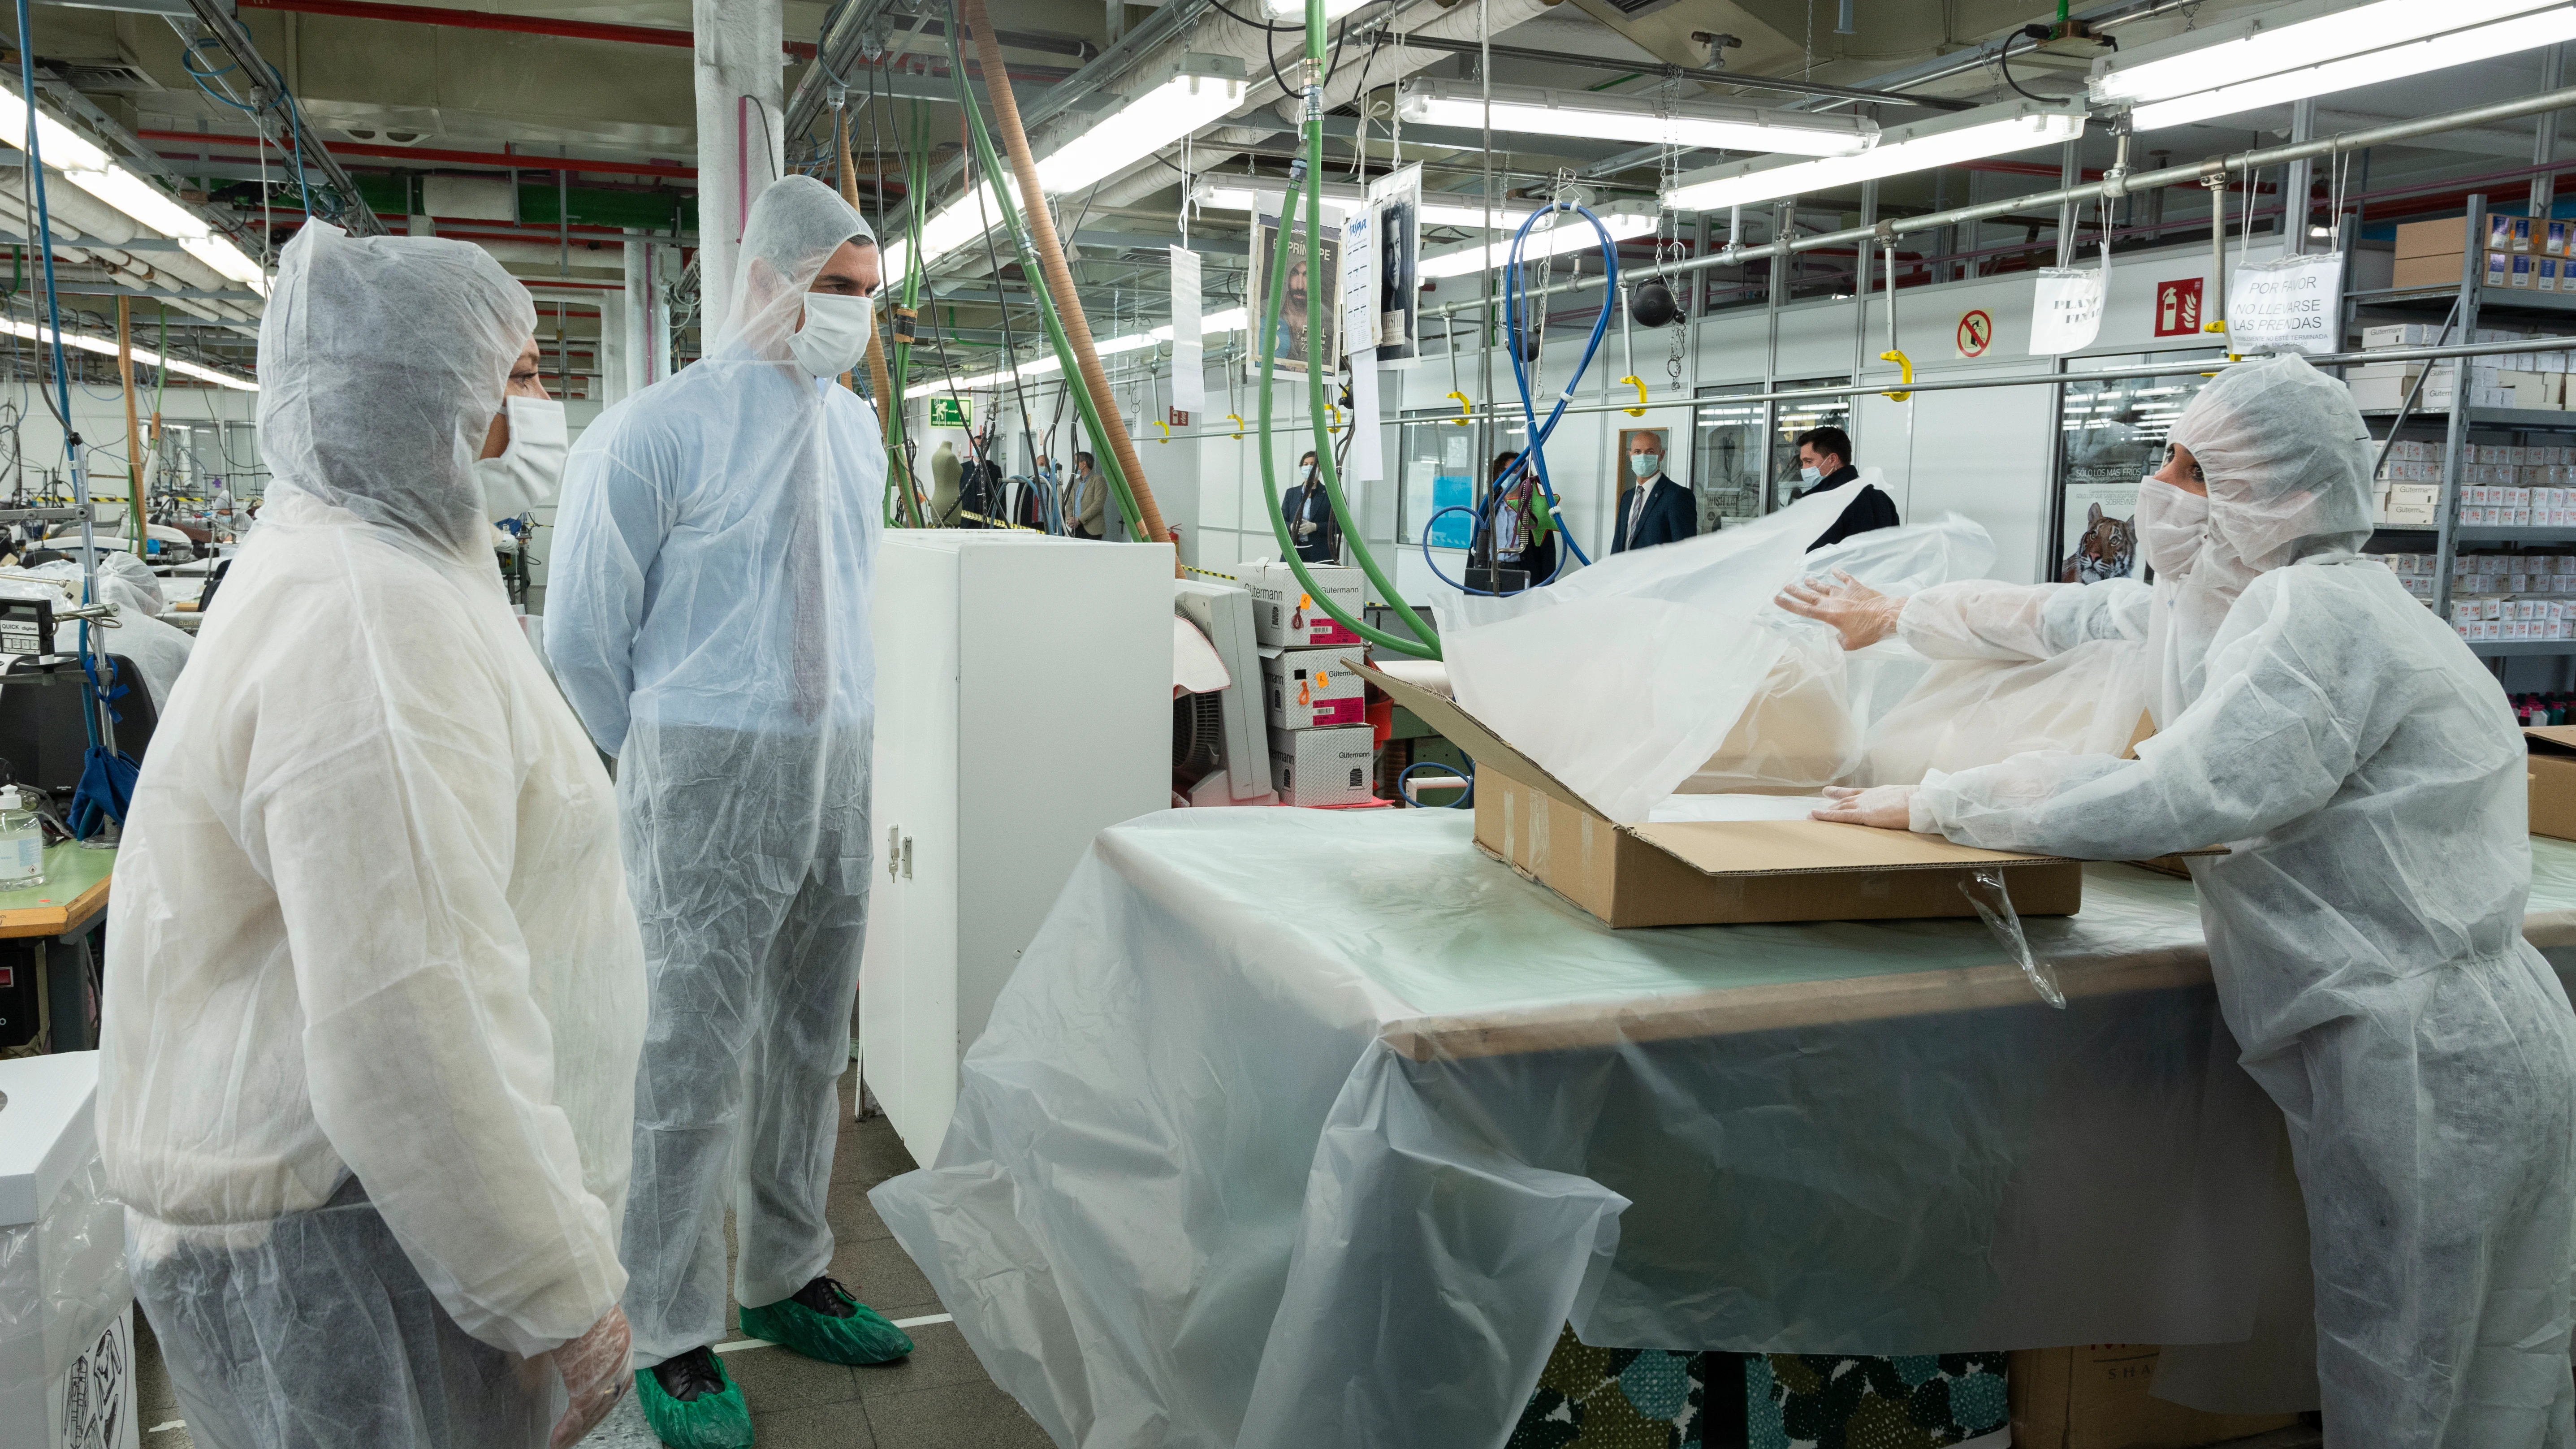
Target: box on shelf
(1306,689)
(2553,779)
(2443,236)
(1284,614)
(2096,1397)
(1718,872)
(1323,766)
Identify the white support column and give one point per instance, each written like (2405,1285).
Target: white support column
(661,265)
(615,330)
(636,336)
(740,112)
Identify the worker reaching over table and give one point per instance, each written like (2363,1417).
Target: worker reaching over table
(2365,929)
(373,992)
(708,617)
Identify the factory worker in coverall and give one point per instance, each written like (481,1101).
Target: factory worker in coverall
(374,993)
(2365,929)
(707,614)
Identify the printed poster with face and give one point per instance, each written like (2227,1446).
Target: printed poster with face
(1312,267)
(1395,199)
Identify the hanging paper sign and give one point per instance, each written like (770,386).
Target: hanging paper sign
(1189,380)
(1395,201)
(1367,464)
(1359,270)
(2066,314)
(2290,304)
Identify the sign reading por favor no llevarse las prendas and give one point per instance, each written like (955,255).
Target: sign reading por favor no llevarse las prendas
(2292,303)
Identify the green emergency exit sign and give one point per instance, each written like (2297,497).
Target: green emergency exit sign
(950,412)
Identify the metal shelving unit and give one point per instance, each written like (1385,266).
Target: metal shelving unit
(2463,305)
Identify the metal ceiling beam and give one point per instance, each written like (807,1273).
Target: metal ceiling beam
(1685,72)
(219,22)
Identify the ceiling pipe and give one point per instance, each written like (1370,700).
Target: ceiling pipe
(487,20)
(495,159)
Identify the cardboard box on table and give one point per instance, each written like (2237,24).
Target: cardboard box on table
(2553,779)
(1720,872)
(1306,689)
(2095,1397)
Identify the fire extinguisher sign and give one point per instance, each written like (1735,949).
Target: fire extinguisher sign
(2178,308)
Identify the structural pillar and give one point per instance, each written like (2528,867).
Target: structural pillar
(738,59)
(2298,180)
(635,371)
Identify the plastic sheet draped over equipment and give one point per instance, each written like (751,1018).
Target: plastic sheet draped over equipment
(1223,1178)
(1702,682)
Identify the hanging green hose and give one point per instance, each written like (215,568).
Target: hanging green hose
(996,174)
(899,480)
(1424,644)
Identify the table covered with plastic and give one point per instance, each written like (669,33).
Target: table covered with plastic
(1301,1127)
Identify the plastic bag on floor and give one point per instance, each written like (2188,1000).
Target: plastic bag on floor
(1634,676)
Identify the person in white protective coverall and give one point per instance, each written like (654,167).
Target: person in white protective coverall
(707,614)
(2365,929)
(374,994)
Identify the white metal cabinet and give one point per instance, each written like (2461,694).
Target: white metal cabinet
(1024,689)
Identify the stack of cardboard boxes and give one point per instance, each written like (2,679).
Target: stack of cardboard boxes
(2519,253)
(2536,381)
(1322,749)
(2501,486)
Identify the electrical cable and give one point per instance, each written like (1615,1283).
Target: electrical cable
(2003,56)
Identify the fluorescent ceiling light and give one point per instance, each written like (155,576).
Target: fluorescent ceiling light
(2269,44)
(1214,324)
(219,253)
(1235,193)
(1534,111)
(1196,94)
(1974,135)
(62,146)
(2460,47)
(143,355)
(1144,125)
(1570,234)
(91,169)
(141,200)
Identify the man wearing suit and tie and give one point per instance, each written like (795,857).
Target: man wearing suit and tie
(1656,510)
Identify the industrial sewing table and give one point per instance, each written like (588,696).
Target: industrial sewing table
(1300,1127)
(65,911)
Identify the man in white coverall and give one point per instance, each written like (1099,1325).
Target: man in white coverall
(374,993)
(2365,929)
(707,614)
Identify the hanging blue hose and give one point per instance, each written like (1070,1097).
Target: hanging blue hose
(1533,456)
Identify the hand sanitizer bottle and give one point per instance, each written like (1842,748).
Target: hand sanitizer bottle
(22,842)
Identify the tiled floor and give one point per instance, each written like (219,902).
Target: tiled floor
(939,1398)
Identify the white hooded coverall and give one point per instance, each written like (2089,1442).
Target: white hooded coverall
(2365,929)
(374,994)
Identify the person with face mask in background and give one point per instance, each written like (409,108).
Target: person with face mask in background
(1657,510)
(2365,928)
(374,993)
(1308,510)
(1089,507)
(1824,465)
(708,618)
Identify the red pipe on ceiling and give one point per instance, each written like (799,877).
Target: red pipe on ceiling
(487,20)
(454,158)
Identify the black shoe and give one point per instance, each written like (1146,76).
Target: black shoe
(688,1375)
(827,1297)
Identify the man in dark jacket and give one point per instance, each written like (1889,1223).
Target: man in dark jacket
(1824,464)
(1657,510)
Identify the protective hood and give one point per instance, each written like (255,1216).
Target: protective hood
(2287,461)
(794,227)
(381,363)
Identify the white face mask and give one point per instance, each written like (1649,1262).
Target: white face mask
(2172,525)
(835,336)
(1647,465)
(530,469)
(1811,476)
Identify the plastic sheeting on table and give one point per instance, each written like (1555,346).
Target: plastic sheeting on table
(1294,1128)
(63,1285)
(1682,645)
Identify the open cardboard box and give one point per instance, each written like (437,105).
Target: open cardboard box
(1707,872)
(2553,779)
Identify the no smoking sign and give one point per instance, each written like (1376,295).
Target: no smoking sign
(1976,332)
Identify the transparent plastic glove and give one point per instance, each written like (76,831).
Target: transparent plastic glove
(1994,906)
(1889,807)
(1306,529)
(1861,614)
(595,1373)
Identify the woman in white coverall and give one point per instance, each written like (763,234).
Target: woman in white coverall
(374,992)
(2365,929)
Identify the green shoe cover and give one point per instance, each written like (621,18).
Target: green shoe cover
(862,1338)
(710,1421)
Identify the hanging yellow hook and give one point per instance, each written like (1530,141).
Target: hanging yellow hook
(1237,420)
(1639,410)
(1466,409)
(1167,431)
(1906,365)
